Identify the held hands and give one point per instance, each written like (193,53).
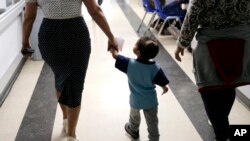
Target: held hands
(112,44)
(114,53)
(179,51)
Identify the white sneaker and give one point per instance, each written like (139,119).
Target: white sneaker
(209,122)
(65,126)
(72,139)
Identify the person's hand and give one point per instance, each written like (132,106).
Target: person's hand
(112,44)
(114,53)
(27,51)
(179,51)
(165,90)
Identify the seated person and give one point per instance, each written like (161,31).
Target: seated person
(173,8)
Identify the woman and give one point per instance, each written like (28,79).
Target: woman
(64,42)
(221,57)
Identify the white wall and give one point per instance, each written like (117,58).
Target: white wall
(2,3)
(10,42)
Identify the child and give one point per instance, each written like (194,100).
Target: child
(143,74)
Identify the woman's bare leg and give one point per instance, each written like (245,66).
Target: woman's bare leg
(63,107)
(73,114)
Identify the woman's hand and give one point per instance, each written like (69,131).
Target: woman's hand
(179,51)
(27,51)
(112,44)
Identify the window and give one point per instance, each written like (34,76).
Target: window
(8,3)
(11,2)
(4,4)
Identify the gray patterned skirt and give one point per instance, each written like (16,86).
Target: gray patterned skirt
(65,46)
(206,74)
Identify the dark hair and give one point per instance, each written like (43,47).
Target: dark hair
(147,47)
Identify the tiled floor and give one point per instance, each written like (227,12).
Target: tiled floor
(105,105)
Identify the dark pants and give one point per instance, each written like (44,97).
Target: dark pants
(151,120)
(218,105)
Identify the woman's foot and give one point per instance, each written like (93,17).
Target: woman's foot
(72,139)
(209,122)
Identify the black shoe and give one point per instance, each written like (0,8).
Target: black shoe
(190,49)
(133,134)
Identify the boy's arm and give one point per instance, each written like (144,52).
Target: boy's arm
(165,89)
(121,62)
(161,80)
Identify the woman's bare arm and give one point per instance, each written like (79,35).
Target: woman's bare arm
(29,18)
(98,16)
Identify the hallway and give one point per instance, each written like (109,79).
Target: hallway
(30,112)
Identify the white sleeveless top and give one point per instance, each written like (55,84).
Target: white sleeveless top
(59,9)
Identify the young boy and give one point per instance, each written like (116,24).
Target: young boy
(143,73)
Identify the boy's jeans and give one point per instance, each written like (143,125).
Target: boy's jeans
(151,119)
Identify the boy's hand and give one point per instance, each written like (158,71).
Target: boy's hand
(112,44)
(165,90)
(114,52)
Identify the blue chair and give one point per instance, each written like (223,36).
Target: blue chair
(171,13)
(148,9)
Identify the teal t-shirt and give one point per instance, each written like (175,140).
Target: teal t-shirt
(142,77)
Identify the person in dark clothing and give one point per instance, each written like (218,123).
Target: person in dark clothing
(221,58)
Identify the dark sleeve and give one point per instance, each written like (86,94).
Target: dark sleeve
(122,63)
(184,1)
(160,78)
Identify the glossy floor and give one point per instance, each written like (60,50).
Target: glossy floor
(31,113)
